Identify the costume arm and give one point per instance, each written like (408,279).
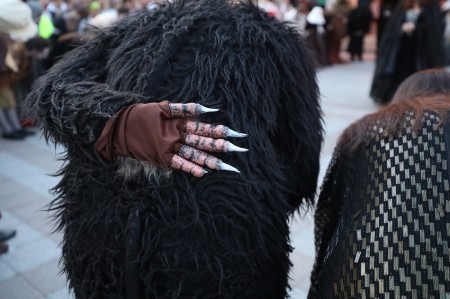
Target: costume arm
(74,104)
(299,135)
(72,100)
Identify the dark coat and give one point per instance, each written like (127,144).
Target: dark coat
(382,218)
(358,25)
(225,235)
(400,55)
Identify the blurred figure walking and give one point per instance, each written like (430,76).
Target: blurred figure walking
(412,41)
(358,25)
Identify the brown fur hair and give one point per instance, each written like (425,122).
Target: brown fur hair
(424,91)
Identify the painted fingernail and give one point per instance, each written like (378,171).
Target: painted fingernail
(233,133)
(227,167)
(203,109)
(233,148)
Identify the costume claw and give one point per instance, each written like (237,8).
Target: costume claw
(233,148)
(227,167)
(233,133)
(203,109)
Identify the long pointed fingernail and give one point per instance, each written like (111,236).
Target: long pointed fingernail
(233,148)
(203,109)
(233,133)
(228,167)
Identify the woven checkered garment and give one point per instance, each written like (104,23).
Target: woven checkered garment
(383,218)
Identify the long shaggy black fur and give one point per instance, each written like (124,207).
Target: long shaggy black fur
(225,235)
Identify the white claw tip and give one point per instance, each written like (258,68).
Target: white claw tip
(233,148)
(204,109)
(232,133)
(228,167)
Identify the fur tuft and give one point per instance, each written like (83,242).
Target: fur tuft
(130,168)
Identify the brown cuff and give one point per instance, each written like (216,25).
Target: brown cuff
(142,131)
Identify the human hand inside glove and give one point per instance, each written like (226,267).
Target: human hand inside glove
(162,134)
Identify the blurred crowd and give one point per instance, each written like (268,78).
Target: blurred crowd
(34,34)
(62,25)
(326,23)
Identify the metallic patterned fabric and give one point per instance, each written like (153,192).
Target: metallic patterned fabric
(383,218)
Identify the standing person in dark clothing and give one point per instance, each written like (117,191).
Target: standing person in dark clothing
(386,9)
(336,29)
(358,25)
(16,27)
(413,41)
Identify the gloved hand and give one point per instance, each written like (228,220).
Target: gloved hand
(158,133)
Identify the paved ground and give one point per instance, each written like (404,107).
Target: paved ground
(30,269)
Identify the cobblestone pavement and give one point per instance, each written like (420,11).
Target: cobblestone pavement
(30,269)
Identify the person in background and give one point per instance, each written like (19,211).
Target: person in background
(336,29)
(358,25)
(413,41)
(270,7)
(57,8)
(315,35)
(16,27)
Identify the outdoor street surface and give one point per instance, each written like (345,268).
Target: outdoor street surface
(30,270)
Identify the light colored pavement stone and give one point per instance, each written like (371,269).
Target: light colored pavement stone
(61,294)
(19,288)
(32,255)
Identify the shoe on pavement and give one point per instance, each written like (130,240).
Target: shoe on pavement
(6,234)
(15,135)
(3,248)
(25,132)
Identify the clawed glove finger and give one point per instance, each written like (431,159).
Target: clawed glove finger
(180,163)
(189,109)
(202,158)
(201,136)
(208,130)
(212,145)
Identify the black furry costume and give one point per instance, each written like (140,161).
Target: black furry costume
(221,236)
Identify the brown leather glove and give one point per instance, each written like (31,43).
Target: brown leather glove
(157,133)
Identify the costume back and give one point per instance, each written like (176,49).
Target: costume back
(401,54)
(221,236)
(382,220)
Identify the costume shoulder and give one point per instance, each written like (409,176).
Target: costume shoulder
(235,56)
